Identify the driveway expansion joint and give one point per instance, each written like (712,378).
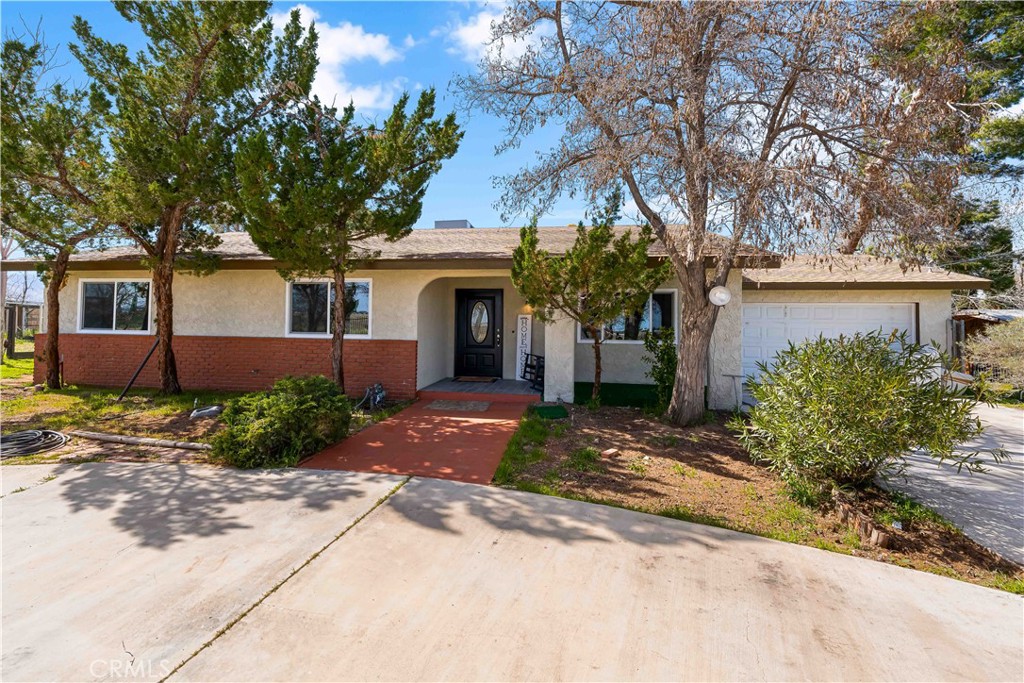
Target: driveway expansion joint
(273,589)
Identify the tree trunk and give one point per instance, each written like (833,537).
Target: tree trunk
(3,312)
(338,329)
(51,351)
(163,280)
(166,251)
(595,394)
(697,322)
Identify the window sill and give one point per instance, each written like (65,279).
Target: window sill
(616,342)
(318,335)
(100,331)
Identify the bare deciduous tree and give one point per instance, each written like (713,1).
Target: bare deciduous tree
(768,122)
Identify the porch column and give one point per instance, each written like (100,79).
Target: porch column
(559,360)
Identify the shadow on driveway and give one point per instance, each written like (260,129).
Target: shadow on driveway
(988,506)
(161,505)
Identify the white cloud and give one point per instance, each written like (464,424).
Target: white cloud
(471,39)
(341,44)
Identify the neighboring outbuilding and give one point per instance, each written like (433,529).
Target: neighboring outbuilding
(976,321)
(26,316)
(440,304)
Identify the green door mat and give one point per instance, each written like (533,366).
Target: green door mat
(551,412)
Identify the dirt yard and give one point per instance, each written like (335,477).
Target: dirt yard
(702,474)
(142,413)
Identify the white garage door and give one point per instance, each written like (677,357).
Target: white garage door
(768,328)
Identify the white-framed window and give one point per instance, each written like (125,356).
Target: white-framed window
(658,313)
(115,305)
(310,306)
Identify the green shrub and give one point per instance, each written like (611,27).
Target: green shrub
(660,352)
(280,427)
(836,413)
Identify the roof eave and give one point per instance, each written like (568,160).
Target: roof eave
(890,285)
(465,261)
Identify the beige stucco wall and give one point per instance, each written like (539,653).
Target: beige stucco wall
(934,307)
(559,346)
(725,355)
(432,334)
(623,362)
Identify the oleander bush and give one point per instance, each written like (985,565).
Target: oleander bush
(835,413)
(277,428)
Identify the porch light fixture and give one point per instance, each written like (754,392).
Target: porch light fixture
(719,295)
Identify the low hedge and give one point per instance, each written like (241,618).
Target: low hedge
(298,417)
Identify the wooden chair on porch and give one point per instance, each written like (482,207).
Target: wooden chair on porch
(533,370)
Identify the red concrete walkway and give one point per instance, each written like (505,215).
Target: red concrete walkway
(443,444)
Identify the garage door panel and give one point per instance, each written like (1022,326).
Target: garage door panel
(768,328)
(799,312)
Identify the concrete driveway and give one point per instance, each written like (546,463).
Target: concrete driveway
(300,575)
(110,559)
(989,507)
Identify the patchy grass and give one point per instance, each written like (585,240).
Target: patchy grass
(1011,400)
(1010,584)
(525,448)
(143,412)
(702,475)
(361,419)
(638,466)
(908,512)
(17,368)
(584,459)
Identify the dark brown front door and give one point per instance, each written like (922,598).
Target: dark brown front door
(478,332)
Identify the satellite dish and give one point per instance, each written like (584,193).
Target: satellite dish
(719,296)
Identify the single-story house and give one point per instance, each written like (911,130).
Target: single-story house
(440,304)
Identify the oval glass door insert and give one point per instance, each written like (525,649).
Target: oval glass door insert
(479,322)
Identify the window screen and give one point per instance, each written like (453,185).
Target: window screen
(357,308)
(98,305)
(309,307)
(132,306)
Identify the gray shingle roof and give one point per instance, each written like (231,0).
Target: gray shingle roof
(855,272)
(497,244)
(420,245)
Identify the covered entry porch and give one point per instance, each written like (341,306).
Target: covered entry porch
(507,390)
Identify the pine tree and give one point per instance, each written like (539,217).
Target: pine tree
(598,279)
(316,188)
(172,115)
(55,171)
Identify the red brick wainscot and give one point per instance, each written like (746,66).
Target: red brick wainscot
(233,363)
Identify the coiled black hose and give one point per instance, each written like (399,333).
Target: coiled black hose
(30,442)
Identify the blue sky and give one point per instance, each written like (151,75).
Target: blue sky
(370,52)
